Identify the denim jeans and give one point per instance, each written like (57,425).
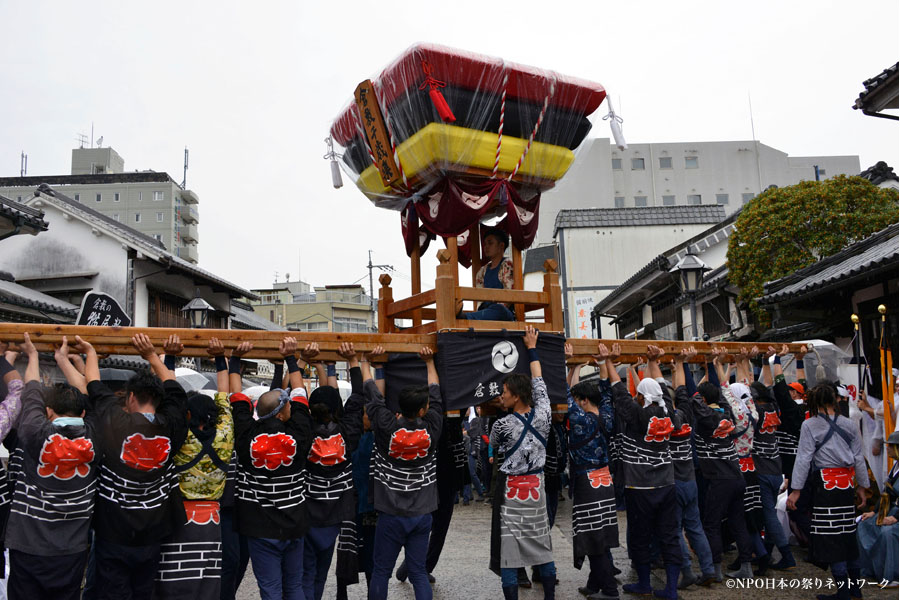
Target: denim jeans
(768,493)
(393,533)
(491,311)
(510,576)
(688,514)
(318,549)
(278,566)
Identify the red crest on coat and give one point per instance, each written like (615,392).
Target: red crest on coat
(328,451)
(409,444)
(770,422)
(202,513)
(659,429)
(145,454)
(724,429)
(523,487)
(840,478)
(683,431)
(65,458)
(272,450)
(747,464)
(599,477)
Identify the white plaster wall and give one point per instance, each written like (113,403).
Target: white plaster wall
(68,246)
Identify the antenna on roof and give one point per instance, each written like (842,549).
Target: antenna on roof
(23,165)
(184,181)
(81,138)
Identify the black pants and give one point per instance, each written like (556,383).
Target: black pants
(34,577)
(235,555)
(650,517)
(602,577)
(725,500)
(552,485)
(440,524)
(125,571)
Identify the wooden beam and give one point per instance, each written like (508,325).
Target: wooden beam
(415,301)
(415,268)
(445,290)
(475,245)
(554,311)
(518,281)
(453,248)
(505,296)
(385,300)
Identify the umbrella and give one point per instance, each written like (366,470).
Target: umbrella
(116,379)
(192,381)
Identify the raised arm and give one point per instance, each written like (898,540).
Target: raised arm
(63,361)
(288,349)
(172,348)
(145,348)
(653,355)
(768,377)
(277,374)
(308,353)
(678,378)
(11,406)
(217,351)
(427,355)
(234,367)
(530,339)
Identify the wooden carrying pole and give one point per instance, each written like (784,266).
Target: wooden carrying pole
(117,340)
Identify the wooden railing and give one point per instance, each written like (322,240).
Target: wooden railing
(447,298)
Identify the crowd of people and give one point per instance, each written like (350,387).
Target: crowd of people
(141,490)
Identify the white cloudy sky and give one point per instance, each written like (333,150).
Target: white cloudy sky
(251,89)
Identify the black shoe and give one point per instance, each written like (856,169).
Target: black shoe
(586,591)
(764,561)
(735,565)
(402,572)
(430,578)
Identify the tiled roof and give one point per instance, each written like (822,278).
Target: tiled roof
(92,179)
(26,216)
(19,295)
(252,320)
(879,173)
(876,253)
(638,217)
(535,257)
(882,87)
(150,246)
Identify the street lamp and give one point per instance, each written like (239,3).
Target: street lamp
(690,276)
(198,311)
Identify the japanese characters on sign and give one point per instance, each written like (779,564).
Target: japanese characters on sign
(376,132)
(99,309)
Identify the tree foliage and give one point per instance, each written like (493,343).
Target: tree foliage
(785,229)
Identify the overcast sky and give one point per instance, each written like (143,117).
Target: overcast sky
(251,89)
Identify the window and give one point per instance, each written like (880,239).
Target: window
(668,200)
(323,326)
(665,162)
(617,164)
(351,325)
(640,200)
(620,201)
(745,198)
(157,196)
(140,196)
(116,197)
(691,162)
(77,197)
(99,197)
(693,198)
(637,164)
(158,237)
(159,217)
(722,199)
(19,198)
(137,217)
(115,216)
(821,172)
(716,316)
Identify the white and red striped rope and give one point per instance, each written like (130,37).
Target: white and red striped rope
(500,129)
(535,130)
(387,122)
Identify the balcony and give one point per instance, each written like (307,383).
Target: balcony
(189,197)
(188,253)
(189,214)
(189,233)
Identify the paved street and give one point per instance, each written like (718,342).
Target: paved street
(462,573)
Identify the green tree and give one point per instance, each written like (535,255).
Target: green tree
(785,229)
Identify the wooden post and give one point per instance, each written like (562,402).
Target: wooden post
(518,280)
(454,258)
(553,314)
(475,245)
(415,265)
(445,290)
(385,299)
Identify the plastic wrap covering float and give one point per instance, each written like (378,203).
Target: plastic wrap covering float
(443,113)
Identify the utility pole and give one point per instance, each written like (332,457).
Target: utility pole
(371,282)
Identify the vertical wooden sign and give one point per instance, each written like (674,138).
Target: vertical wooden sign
(376,133)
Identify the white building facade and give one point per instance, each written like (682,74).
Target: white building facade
(726,174)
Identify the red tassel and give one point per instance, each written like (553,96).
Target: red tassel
(441,105)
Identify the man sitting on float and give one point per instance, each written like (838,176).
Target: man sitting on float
(496,273)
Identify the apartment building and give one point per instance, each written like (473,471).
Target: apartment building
(149,201)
